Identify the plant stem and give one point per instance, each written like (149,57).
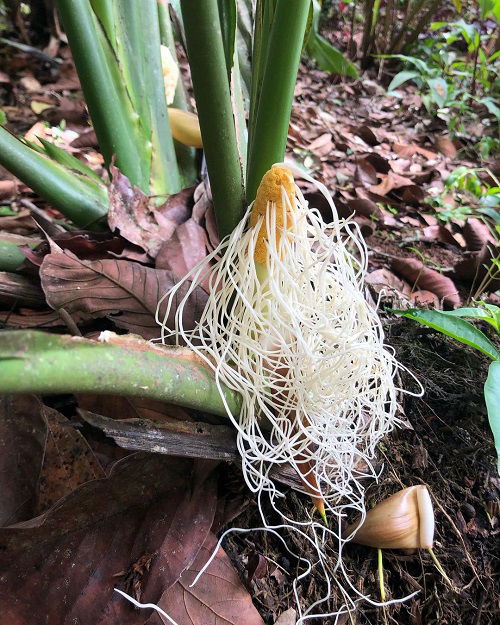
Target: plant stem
(272,117)
(381,574)
(10,254)
(440,568)
(80,199)
(213,99)
(186,156)
(37,362)
(114,120)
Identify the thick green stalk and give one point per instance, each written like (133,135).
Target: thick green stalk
(272,116)
(10,254)
(38,362)
(186,156)
(213,99)
(80,199)
(116,124)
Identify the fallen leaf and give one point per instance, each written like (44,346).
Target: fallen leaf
(384,278)
(68,460)
(417,274)
(322,145)
(439,233)
(61,567)
(256,566)
(217,597)
(445,146)
(138,220)
(365,173)
(477,234)
(22,442)
(124,291)
(390,181)
(407,151)
(367,134)
(425,299)
(380,163)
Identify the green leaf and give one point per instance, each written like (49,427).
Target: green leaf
(491,315)
(439,90)
(492,399)
(68,160)
(455,327)
(328,58)
(227,16)
(401,78)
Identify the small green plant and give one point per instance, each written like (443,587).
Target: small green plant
(454,324)
(454,72)
(466,194)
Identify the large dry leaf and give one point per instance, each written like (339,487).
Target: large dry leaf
(124,291)
(138,220)
(218,597)
(62,567)
(417,274)
(68,460)
(22,442)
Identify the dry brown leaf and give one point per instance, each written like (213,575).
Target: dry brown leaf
(385,279)
(417,274)
(131,212)
(22,442)
(217,597)
(441,234)
(477,234)
(68,460)
(138,530)
(124,291)
(445,146)
(365,173)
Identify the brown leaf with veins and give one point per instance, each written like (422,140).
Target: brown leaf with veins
(62,567)
(417,274)
(124,291)
(218,596)
(477,234)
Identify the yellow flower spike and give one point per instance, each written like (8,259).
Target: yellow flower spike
(271,190)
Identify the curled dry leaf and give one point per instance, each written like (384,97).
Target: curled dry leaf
(124,291)
(474,266)
(61,567)
(477,234)
(418,275)
(441,234)
(446,146)
(138,220)
(365,173)
(425,299)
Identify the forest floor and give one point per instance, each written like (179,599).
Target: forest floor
(382,157)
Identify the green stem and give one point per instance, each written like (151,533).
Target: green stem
(272,116)
(80,199)
(381,574)
(213,99)
(440,568)
(114,120)
(37,362)
(186,156)
(10,254)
